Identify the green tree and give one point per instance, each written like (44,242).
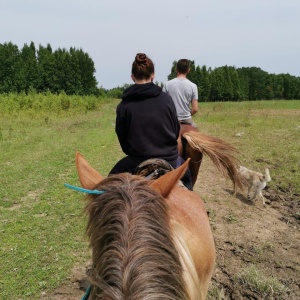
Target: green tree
(48,80)
(195,76)
(63,71)
(218,85)
(291,86)
(9,62)
(278,85)
(86,70)
(205,85)
(269,94)
(236,86)
(27,76)
(228,85)
(257,82)
(173,73)
(244,83)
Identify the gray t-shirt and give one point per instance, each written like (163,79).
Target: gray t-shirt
(182,91)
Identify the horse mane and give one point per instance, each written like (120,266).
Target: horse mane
(133,254)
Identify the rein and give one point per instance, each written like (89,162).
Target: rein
(90,192)
(82,190)
(87,293)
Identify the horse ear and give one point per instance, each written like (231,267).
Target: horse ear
(88,176)
(165,183)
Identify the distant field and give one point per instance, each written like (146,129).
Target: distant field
(42,225)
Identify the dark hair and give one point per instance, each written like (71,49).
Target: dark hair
(183,65)
(142,67)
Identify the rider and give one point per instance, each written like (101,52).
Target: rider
(146,123)
(183,92)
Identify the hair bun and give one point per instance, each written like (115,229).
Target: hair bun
(142,67)
(141,59)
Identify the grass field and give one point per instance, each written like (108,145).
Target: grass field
(42,224)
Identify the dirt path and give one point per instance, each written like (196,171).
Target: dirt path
(246,235)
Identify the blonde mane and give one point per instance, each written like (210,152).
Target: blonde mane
(134,256)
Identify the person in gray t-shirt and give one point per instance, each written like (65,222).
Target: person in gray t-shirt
(184,93)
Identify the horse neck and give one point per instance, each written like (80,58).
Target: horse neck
(196,290)
(133,253)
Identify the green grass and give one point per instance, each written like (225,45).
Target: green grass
(267,134)
(216,294)
(267,287)
(42,223)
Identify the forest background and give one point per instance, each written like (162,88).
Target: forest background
(44,70)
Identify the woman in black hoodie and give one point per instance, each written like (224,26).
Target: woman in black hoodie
(146,124)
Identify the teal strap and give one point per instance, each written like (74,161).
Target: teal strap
(87,293)
(80,189)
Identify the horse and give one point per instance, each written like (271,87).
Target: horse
(150,239)
(194,144)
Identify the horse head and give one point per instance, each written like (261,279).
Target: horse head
(149,239)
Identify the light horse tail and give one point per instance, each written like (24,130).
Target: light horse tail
(195,144)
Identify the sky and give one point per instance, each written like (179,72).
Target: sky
(214,33)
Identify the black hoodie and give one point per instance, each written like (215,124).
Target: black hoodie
(147,125)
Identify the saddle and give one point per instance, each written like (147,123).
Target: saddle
(153,168)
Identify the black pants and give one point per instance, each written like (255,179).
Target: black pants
(130,163)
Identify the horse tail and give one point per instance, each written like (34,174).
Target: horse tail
(220,152)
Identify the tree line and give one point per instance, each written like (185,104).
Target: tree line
(228,83)
(42,69)
(234,84)
(73,72)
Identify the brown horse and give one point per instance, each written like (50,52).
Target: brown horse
(149,239)
(193,144)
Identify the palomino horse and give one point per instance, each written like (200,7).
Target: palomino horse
(149,239)
(193,144)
